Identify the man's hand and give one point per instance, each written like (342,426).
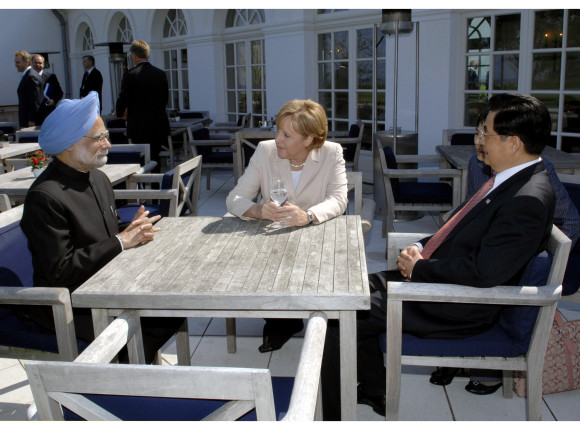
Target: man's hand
(407,259)
(141,229)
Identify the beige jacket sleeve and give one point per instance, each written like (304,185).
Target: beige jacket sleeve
(322,187)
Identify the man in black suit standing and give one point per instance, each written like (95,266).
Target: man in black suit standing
(92,79)
(30,95)
(488,241)
(51,89)
(143,100)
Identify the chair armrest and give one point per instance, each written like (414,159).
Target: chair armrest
(306,385)
(451,293)
(367,214)
(147,178)
(213,142)
(347,140)
(146,168)
(430,172)
(145,194)
(414,158)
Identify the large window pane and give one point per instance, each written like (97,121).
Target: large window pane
(505,72)
(241,77)
(231,98)
(341,76)
(324,46)
(240,53)
(256,77)
(472,79)
(364,75)
(571,114)
(231,77)
(324,77)
(230,58)
(381,76)
(364,43)
(341,45)
(572,81)
(325,100)
(478,34)
(570,144)
(256,52)
(507,32)
(551,101)
(365,106)
(475,104)
(381,108)
(341,105)
(573,28)
(257,102)
(548,29)
(546,71)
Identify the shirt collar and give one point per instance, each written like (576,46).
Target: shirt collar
(508,173)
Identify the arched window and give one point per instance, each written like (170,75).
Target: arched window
(174,24)
(242,17)
(246,69)
(88,41)
(124,32)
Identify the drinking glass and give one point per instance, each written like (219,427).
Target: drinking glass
(278,194)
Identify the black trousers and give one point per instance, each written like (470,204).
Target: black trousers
(371,371)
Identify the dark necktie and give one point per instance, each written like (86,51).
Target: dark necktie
(438,238)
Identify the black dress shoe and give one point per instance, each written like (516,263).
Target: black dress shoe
(443,375)
(480,389)
(273,342)
(378,403)
(277,332)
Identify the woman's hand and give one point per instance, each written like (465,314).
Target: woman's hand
(291,215)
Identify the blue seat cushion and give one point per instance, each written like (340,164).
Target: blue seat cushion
(125,157)
(207,152)
(424,192)
(510,337)
(16,256)
(172,409)
(462,139)
(128,211)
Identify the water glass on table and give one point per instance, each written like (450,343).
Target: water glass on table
(278,194)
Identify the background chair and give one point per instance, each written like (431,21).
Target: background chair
(364,207)
(18,340)
(458,136)
(117,128)
(26,135)
(517,342)
(246,142)
(244,121)
(351,144)
(94,390)
(128,153)
(216,150)
(415,196)
(179,191)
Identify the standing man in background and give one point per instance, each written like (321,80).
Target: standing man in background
(143,99)
(29,90)
(92,79)
(51,88)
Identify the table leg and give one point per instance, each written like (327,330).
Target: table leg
(347,323)
(100,320)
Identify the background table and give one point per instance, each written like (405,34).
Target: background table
(16,150)
(16,184)
(458,156)
(226,267)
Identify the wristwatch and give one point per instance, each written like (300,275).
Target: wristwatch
(310,216)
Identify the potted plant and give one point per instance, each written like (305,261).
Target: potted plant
(37,162)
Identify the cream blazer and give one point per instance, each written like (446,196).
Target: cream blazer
(322,187)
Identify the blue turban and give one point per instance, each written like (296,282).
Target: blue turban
(68,123)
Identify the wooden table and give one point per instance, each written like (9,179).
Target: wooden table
(16,150)
(16,184)
(226,267)
(458,156)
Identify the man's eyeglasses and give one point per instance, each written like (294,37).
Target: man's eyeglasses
(481,135)
(101,137)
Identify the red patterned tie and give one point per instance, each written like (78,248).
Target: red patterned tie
(438,238)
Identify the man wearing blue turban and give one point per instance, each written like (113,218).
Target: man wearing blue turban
(70,218)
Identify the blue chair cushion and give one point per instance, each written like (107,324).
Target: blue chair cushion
(125,157)
(172,409)
(191,115)
(128,211)
(462,139)
(510,337)
(16,256)
(349,151)
(208,155)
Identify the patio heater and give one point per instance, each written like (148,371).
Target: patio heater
(117,66)
(396,22)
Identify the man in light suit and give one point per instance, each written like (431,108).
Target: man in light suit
(30,95)
(92,79)
(143,100)
(489,246)
(51,89)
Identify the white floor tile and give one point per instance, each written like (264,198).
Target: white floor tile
(14,388)
(212,351)
(564,405)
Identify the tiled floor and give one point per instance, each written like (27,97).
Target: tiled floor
(420,400)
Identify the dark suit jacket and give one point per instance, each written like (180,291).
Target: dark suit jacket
(30,97)
(53,91)
(94,82)
(144,95)
(490,246)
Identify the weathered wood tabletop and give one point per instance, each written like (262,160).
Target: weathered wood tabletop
(16,150)
(206,266)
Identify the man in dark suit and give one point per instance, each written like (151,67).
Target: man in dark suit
(51,89)
(92,79)
(143,100)
(30,95)
(489,245)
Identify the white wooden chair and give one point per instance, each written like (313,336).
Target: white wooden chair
(390,175)
(247,139)
(28,134)
(245,121)
(179,193)
(56,384)
(217,151)
(544,297)
(364,207)
(144,149)
(57,298)
(349,142)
